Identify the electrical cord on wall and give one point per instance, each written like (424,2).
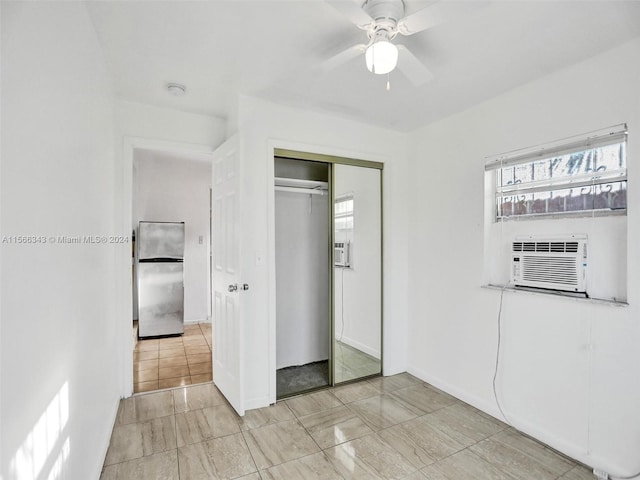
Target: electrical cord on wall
(497,364)
(341,303)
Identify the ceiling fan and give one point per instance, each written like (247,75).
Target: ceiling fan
(383,20)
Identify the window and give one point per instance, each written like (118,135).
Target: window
(582,174)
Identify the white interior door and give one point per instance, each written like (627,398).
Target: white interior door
(227,290)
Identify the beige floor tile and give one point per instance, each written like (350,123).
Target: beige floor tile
(172,372)
(196,350)
(145,364)
(417,475)
(423,398)
(174,382)
(522,457)
(260,417)
(148,430)
(331,427)
(196,426)
(310,467)
(200,368)
(147,345)
(463,424)
(162,466)
(145,386)
(145,355)
(464,465)
(201,378)
(192,328)
(194,341)
(145,375)
(383,411)
(279,443)
(200,358)
(355,391)
(197,396)
(224,457)
(420,443)
(172,352)
(369,457)
(136,440)
(313,403)
(167,343)
(178,361)
(578,473)
(251,476)
(394,382)
(141,408)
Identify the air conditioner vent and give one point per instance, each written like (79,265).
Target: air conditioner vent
(572,247)
(550,263)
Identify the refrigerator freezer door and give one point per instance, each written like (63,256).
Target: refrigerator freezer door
(160,299)
(160,240)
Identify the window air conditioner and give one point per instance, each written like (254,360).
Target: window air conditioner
(550,263)
(342,254)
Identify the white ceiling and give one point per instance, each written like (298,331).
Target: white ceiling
(271,49)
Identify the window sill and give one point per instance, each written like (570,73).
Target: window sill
(568,295)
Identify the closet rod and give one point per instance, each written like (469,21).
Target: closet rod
(308,191)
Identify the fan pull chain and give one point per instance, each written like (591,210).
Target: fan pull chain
(388,82)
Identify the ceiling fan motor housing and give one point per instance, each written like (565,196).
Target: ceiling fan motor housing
(384,10)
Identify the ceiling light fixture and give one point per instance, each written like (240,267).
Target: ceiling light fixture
(381,56)
(176,89)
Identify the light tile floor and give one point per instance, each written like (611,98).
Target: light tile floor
(160,363)
(388,427)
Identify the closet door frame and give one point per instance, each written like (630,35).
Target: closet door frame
(354,162)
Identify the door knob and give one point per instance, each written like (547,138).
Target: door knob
(245,286)
(233,287)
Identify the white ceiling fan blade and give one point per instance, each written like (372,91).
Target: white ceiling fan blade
(343,57)
(353,11)
(421,20)
(436,14)
(412,68)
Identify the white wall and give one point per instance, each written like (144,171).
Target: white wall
(171,188)
(147,121)
(357,290)
(302,278)
(60,368)
(263,126)
(568,367)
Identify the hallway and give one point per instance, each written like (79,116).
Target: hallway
(160,363)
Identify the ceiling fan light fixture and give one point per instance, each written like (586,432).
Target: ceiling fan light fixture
(381,57)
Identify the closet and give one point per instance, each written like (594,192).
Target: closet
(328,236)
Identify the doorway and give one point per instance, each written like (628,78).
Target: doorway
(170,189)
(328,236)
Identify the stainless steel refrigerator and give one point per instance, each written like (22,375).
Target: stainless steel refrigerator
(160,278)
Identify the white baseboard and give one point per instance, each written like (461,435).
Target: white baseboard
(106,441)
(361,346)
